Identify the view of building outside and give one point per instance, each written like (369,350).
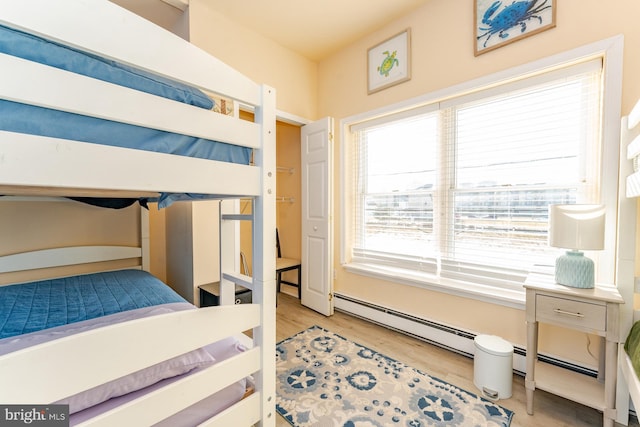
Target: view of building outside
(472,183)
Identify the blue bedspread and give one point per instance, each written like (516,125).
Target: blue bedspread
(45,304)
(33,48)
(16,117)
(23,118)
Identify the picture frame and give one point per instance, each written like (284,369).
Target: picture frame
(389,62)
(498,23)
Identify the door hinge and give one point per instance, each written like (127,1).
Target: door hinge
(331,297)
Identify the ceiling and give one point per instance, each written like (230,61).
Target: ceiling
(315,29)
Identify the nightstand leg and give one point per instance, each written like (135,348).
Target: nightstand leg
(602,367)
(610,383)
(532,355)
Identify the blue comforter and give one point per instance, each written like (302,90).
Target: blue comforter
(17,117)
(22,118)
(35,306)
(33,48)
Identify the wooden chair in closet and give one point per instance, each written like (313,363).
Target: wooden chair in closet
(287,264)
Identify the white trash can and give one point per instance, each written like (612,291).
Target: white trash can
(493,366)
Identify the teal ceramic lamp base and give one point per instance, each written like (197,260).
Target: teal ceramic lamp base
(575,270)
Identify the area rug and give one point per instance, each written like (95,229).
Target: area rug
(324,379)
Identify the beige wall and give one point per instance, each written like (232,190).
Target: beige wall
(442,47)
(264,61)
(442,55)
(33,225)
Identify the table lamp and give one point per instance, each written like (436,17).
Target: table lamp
(576,227)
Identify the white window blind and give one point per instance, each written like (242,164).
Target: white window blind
(461,189)
(397,166)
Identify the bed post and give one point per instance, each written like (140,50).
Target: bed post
(144,239)
(625,266)
(264,258)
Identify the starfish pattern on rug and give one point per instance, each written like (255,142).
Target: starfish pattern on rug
(324,379)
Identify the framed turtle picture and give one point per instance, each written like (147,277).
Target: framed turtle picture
(502,22)
(389,62)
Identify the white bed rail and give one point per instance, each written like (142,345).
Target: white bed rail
(129,39)
(630,150)
(63,166)
(631,140)
(79,169)
(57,257)
(72,361)
(62,90)
(242,413)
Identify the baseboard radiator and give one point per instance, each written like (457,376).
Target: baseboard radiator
(447,337)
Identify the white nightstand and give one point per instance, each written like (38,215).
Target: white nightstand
(594,311)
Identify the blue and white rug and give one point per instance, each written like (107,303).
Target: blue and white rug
(323,379)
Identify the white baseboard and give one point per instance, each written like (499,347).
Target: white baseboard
(454,339)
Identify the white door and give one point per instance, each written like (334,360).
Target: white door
(317,216)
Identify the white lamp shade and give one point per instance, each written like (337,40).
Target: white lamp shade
(576,226)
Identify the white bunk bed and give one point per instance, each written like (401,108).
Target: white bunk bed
(630,136)
(53,166)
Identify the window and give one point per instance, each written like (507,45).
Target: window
(459,189)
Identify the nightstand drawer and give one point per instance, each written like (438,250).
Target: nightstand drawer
(571,313)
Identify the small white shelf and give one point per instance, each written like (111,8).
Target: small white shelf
(571,385)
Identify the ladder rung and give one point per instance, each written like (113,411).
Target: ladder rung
(237,217)
(239,279)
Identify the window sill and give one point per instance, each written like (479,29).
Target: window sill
(514,298)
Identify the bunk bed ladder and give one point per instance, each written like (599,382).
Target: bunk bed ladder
(230,276)
(230,250)
(262,281)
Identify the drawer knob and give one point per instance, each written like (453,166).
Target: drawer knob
(568,313)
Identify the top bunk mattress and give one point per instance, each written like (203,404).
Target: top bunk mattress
(23,118)
(35,306)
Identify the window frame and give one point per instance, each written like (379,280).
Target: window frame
(610,50)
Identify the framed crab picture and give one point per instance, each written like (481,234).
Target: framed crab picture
(498,23)
(389,62)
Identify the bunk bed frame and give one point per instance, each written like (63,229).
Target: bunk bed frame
(630,138)
(44,166)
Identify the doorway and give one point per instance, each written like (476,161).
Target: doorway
(289,197)
(288,200)
(304,212)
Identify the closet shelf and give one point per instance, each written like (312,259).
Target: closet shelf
(285,199)
(290,171)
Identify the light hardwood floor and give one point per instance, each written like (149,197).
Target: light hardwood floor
(549,410)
